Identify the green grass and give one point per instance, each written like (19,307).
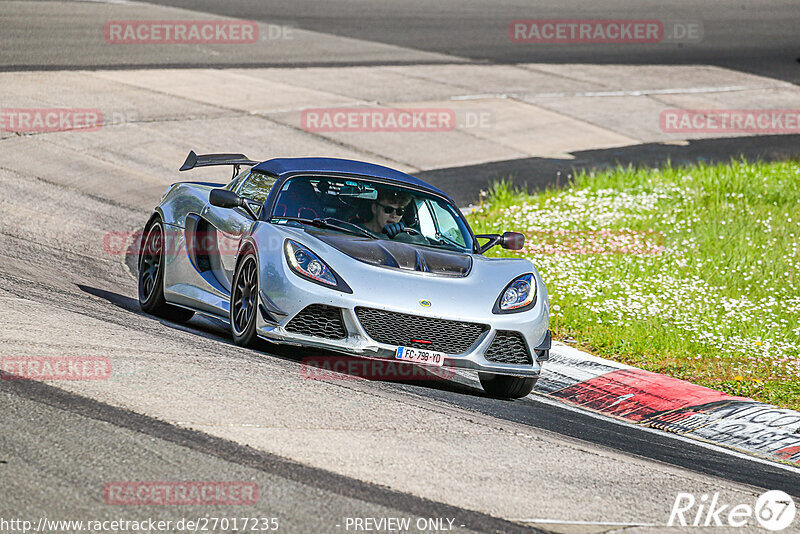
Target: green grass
(692,272)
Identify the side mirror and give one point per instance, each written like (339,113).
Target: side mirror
(509,240)
(512,240)
(222,198)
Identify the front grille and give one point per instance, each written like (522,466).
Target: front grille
(318,320)
(508,347)
(451,337)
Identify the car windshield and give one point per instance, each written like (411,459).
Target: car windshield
(385,211)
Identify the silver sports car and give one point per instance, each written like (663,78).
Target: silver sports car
(346,256)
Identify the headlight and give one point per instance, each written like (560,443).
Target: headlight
(307,264)
(518,295)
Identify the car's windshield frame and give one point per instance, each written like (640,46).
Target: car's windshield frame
(268,213)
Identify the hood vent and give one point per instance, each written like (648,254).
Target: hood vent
(399,255)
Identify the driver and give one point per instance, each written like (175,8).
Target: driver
(387,210)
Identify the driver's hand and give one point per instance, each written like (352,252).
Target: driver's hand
(392,229)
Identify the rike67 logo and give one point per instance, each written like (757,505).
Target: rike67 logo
(773,510)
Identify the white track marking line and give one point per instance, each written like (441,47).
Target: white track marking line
(587,523)
(640,92)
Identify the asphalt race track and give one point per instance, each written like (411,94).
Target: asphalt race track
(185,404)
(758,36)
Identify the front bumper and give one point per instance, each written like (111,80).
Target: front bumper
(356,341)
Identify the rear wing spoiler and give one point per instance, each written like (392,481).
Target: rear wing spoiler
(207,160)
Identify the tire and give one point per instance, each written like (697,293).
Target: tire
(506,387)
(151,276)
(244,301)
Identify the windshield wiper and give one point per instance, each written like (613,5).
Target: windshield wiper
(338,224)
(333,223)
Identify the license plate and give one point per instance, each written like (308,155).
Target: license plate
(427,357)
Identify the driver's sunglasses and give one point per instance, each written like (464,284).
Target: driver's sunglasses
(389,209)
